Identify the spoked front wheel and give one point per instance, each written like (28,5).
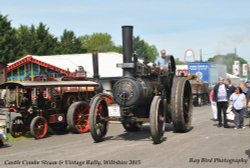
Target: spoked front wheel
(38,127)
(98,118)
(157,120)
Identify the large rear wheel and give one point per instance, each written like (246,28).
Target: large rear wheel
(181,104)
(157,119)
(78,117)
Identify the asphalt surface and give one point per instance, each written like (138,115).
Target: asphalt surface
(204,146)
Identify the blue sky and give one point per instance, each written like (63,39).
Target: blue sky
(215,26)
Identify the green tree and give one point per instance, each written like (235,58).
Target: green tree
(179,62)
(118,48)
(70,44)
(45,43)
(7,40)
(35,41)
(144,50)
(26,40)
(141,48)
(102,42)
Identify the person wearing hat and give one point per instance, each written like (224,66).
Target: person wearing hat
(221,98)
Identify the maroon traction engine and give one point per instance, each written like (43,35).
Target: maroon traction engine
(42,104)
(56,104)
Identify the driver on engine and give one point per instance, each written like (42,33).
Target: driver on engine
(161,62)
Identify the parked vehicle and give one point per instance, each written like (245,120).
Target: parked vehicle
(43,104)
(200,91)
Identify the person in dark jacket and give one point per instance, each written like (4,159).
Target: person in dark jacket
(247,111)
(230,87)
(221,99)
(248,89)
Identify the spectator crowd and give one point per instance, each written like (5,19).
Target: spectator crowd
(230,103)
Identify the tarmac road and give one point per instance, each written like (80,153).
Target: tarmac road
(204,146)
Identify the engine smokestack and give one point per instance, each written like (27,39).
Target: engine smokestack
(127,44)
(95,65)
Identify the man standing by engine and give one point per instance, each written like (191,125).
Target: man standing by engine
(221,99)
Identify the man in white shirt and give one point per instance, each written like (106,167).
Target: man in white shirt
(221,98)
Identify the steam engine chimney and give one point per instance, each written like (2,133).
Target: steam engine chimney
(127,44)
(95,65)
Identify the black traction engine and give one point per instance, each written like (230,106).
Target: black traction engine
(144,94)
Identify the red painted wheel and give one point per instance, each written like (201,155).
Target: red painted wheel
(78,117)
(38,127)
